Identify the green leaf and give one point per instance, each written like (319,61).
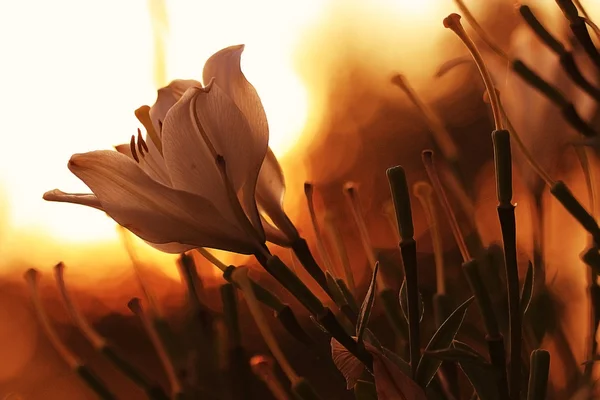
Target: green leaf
(483,378)
(441,339)
(404,302)
(365,308)
(364,390)
(527,291)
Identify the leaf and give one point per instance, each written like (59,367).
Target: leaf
(454,354)
(527,291)
(393,384)
(364,390)
(483,378)
(346,363)
(465,347)
(441,339)
(365,308)
(396,359)
(404,302)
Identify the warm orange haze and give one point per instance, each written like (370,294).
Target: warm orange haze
(85,69)
(354,97)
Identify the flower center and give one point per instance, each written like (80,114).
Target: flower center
(143,115)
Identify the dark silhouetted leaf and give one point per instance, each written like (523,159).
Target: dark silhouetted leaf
(465,347)
(454,354)
(346,363)
(396,359)
(367,305)
(364,390)
(404,302)
(441,339)
(527,291)
(391,383)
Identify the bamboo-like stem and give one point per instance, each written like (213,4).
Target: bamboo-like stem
(494,339)
(506,210)
(283,312)
(553,94)
(89,378)
(506,215)
(136,307)
(274,266)
(579,28)
(408,248)
(263,367)
(240,276)
(153,390)
(566,58)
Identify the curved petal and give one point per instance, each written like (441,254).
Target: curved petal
(224,66)
(205,123)
(85,199)
(274,235)
(172,248)
(270,190)
(152,211)
(166,98)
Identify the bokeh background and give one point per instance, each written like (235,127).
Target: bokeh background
(73,72)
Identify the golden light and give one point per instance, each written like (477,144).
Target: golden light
(79,70)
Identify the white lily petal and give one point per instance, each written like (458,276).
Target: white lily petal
(270,190)
(224,66)
(152,211)
(124,149)
(166,98)
(172,248)
(86,199)
(209,115)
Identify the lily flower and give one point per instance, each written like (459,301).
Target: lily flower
(195,179)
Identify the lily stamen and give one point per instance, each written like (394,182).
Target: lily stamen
(143,115)
(132,148)
(142,146)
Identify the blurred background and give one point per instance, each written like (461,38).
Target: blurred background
(73,73)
